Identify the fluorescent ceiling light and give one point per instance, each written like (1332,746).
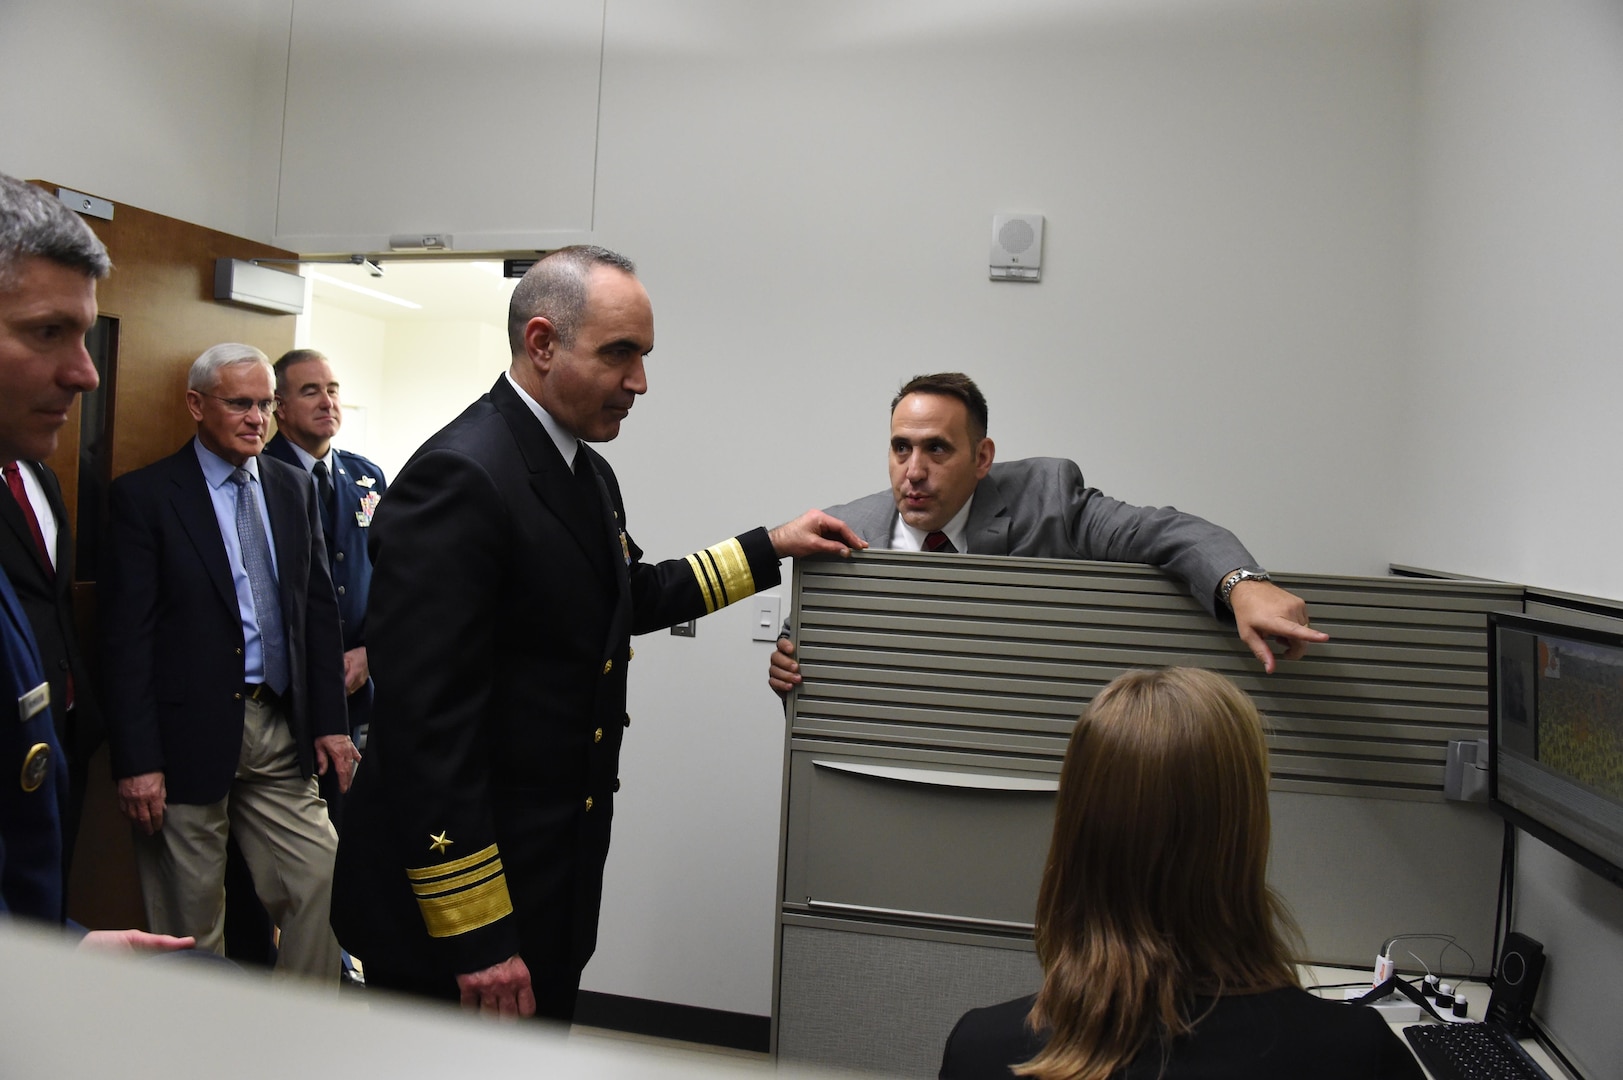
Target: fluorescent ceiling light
(363,290)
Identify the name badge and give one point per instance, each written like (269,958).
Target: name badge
(33,703)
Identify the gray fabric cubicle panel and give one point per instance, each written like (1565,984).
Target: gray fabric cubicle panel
(1356,871)
(1002,654)
(881,1000)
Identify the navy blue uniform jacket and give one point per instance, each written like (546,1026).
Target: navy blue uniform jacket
(47,597)
(358,485)
(30,821)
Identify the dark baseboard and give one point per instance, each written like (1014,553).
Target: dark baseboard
(663,1020)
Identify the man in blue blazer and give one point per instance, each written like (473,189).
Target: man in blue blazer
(224,666)
(348,487)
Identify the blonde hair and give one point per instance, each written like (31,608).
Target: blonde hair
(1156,884)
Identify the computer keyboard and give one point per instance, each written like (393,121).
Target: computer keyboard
(1472,1052)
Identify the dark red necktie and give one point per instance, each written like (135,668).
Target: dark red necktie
(14,481)
(937,541)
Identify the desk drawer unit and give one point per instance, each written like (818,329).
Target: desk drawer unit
(909,836)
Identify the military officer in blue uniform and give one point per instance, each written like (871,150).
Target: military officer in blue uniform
(50,262)
(348,487)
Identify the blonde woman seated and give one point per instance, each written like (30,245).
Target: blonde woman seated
(1163,949)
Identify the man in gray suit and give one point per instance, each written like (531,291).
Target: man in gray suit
(947,495)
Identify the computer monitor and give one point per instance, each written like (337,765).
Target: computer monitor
(1555,735)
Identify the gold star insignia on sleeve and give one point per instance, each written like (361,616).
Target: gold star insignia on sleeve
(438,844)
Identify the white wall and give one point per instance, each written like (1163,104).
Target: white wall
(432,371)
(354,343)
(174,106)
(1510,457)
(1223,311)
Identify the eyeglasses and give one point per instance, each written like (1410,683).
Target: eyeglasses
(241,406)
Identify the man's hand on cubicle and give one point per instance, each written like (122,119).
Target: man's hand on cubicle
(815,533)
(1264,611)
(782,673)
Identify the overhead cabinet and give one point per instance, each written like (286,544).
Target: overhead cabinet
(477,119)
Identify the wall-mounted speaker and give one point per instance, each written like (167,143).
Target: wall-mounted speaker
(1520,966)
(1017,247)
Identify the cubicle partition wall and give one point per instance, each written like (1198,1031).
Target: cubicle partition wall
(924,749)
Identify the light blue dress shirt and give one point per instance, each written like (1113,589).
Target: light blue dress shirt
(223,495)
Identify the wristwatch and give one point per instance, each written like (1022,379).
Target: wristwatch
(1244,573)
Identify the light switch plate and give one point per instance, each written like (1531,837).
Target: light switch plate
(766,618)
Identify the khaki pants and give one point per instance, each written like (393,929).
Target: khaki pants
(281,825)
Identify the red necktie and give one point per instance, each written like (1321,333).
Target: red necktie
(937,541)
(14,481)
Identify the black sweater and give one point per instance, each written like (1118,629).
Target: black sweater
(1279,1035)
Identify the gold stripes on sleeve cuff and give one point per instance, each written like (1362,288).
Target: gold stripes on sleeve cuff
(723,572)
(463,894)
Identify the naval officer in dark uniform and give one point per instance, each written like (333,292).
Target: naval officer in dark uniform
(504,596)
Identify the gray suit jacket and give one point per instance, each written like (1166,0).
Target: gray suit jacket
(1041,508)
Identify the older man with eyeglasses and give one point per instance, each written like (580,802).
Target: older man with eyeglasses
(224,661)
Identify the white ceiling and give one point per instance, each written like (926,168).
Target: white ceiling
(447,290)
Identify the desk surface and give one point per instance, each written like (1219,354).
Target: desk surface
(1476,994)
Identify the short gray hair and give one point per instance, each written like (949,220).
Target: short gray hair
(205,373)
(555,289)
(36,224)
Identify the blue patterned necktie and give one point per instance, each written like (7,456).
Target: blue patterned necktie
(256,561)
